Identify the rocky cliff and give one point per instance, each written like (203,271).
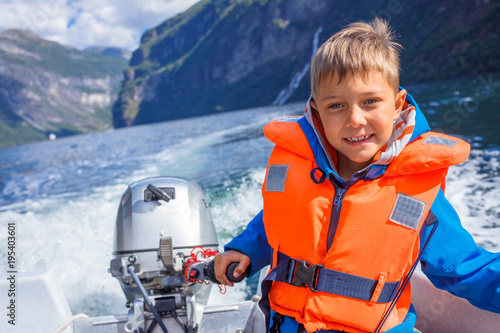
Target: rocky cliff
(230,54)
(48,88)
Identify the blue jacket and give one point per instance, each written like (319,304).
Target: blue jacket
(452,261)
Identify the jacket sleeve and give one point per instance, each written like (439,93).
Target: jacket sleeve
(453,262)
(253,242)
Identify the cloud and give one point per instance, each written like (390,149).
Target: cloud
(83,23)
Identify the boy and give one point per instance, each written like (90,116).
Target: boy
(354,199)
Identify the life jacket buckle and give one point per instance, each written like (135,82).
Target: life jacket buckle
(300,273)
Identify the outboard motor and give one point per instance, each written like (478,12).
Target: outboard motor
(159,222)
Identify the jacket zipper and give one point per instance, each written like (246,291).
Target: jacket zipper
(336,208)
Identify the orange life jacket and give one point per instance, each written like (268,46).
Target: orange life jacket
(374,228)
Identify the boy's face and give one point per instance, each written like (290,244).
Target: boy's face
(357,115)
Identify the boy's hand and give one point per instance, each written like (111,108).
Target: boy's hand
(222,260)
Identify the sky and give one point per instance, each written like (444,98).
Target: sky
(84,23)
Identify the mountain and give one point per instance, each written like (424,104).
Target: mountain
(230,54)
(114,52)
(48,89)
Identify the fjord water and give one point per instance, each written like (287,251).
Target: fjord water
(63,195)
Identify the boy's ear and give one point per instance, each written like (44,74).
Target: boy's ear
(315,113)
(399,103)
(313,104)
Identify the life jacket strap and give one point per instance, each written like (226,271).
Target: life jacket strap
(300,273)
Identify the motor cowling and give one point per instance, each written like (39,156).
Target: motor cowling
(159,221)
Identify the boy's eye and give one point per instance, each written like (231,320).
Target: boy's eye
(335,106)
(371,101)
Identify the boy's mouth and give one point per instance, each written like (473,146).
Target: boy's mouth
(357,139)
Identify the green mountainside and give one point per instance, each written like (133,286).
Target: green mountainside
(49,88)
(224,55)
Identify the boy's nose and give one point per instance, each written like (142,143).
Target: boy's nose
(355,117)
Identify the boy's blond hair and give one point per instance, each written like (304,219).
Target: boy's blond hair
(360,49)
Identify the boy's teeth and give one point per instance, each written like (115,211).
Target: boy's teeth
(360,138)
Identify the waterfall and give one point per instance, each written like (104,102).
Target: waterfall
(285,94)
